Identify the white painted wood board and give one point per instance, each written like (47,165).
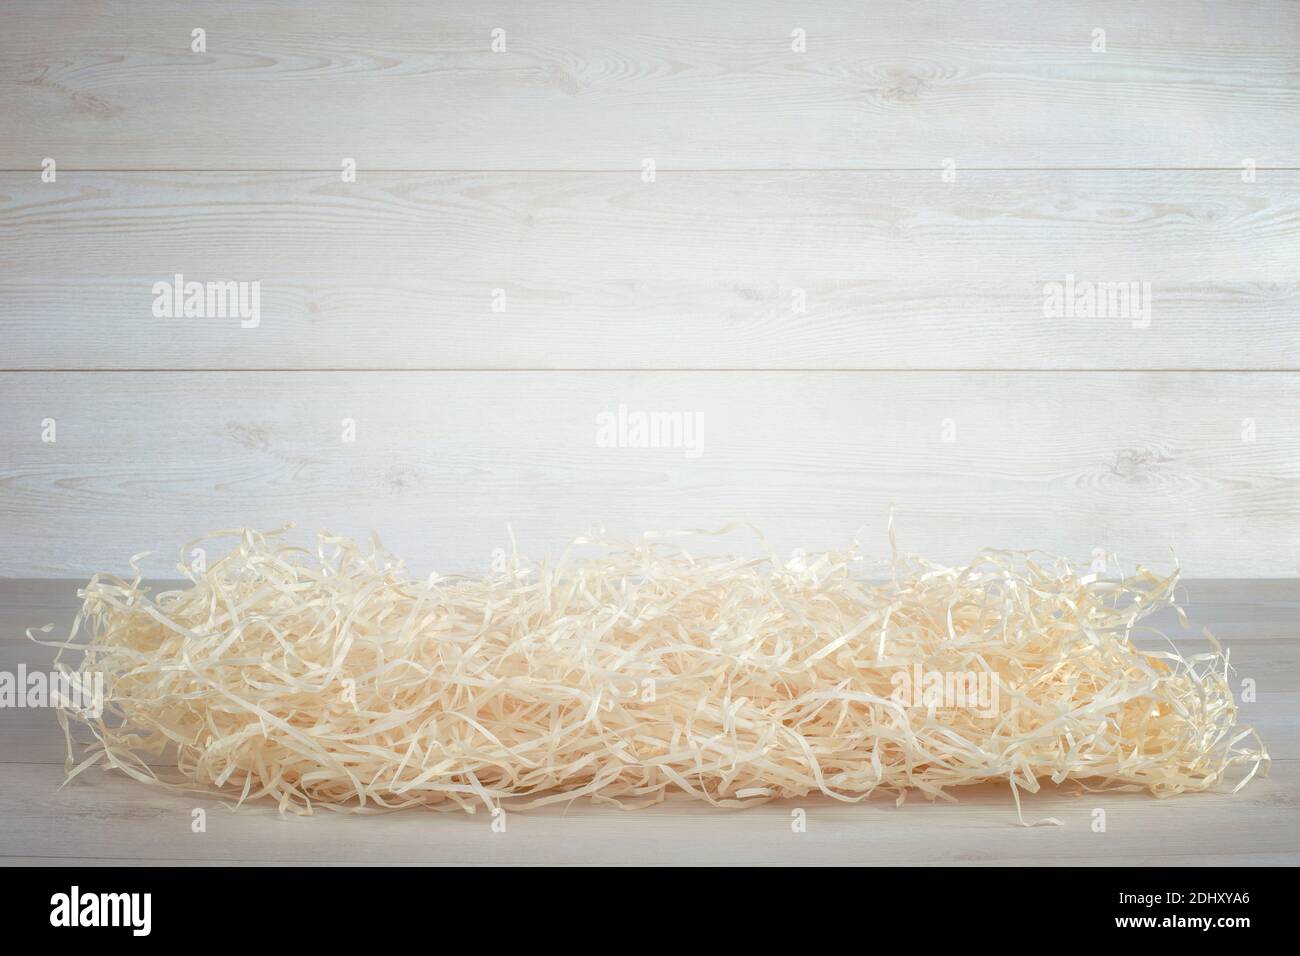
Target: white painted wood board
(696,270)
(411,84)
(1149,465)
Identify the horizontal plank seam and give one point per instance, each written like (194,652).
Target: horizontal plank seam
(63,370)
(620,170)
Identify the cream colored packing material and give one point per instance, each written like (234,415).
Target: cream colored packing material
(631,672)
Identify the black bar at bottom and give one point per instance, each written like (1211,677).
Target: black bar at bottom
(330,905)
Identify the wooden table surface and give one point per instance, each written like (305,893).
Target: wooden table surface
(105,818)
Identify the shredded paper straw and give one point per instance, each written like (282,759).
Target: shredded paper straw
(625,673)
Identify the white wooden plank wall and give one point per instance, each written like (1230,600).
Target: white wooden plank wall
(839,270)
(410,84)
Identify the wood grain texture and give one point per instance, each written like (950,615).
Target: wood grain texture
(580,320)
(696,270)
(881,85)
(1148,465)
(103,818)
